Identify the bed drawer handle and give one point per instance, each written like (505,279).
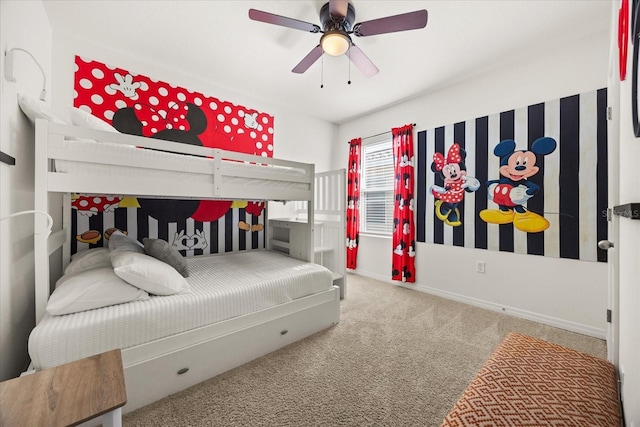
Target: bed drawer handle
(283,332)
(183,371)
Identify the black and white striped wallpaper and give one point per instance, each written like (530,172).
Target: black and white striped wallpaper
(236,230)
(572,179)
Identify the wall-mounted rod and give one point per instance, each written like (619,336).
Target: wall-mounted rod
(378,134)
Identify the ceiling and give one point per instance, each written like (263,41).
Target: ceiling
(216,41)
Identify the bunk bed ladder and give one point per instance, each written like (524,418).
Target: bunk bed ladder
(328,217)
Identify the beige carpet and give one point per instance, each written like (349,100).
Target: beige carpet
(398,357)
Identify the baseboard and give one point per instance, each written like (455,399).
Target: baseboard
(523,314)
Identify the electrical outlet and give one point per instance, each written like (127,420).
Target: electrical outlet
(480,265)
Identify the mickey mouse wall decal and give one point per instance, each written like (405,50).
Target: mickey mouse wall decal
(513,190)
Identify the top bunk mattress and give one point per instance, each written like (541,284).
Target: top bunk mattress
(188,169)
(222,287)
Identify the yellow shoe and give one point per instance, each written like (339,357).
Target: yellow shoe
(495,216)
(439,214)
(453,219)
(244,226)
(530,222)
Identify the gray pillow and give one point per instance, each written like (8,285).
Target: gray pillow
(121,242)
(166,253)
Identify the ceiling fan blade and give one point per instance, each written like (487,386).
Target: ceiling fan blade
(338,8)
(270,18)
(360,60)
(308,60)
(392,24)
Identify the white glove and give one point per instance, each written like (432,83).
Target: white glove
(201,242)
(471,183)
(438,189)
(519,196)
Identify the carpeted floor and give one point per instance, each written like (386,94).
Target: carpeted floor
(398,357)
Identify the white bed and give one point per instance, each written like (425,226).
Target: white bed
(100,162)
(221,287)
(175,348)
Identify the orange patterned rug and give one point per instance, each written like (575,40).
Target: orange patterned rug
(531,382)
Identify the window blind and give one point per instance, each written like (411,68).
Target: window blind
(376,190)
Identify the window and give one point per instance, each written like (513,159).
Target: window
(376,191)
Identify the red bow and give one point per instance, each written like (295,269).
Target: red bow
(154,121)
(453,156)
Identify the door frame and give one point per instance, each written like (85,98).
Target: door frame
(613,159)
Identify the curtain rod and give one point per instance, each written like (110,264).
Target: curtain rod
(379,134)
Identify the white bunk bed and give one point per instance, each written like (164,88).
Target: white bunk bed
(76,160)
(329,215)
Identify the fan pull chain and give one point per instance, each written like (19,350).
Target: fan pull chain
(322,72)
(349,57)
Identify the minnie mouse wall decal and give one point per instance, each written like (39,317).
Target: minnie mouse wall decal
(456,182)
(179,123)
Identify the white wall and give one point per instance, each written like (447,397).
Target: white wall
(566,293)
(24,25)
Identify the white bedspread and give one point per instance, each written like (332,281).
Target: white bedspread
(222,287)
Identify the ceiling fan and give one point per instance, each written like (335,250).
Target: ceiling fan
(337,18)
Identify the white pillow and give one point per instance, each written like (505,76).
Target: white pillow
(36,109)
(88,259)
(87,120)
(148,273)
(89,289)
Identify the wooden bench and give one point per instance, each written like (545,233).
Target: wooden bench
(531,382)
(67,395)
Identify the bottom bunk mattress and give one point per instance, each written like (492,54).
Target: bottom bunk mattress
(221,287)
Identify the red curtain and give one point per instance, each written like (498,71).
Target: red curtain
(353,202)
(404,243)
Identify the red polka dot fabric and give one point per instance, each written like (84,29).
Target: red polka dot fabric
(102,90)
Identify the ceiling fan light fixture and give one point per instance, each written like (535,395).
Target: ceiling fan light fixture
(335,43)
(337,18)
